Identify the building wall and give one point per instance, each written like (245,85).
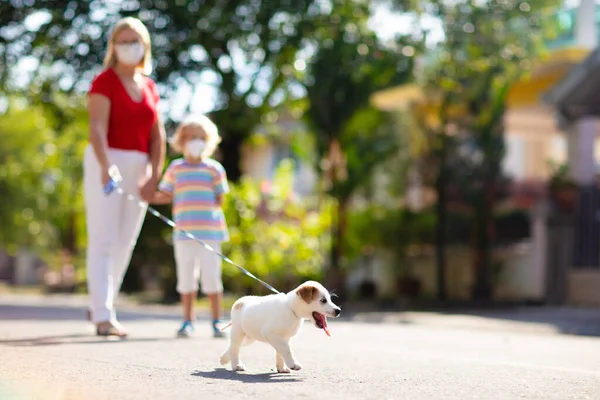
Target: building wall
(513,281)
(584,287)
(532,140)
(257,161)
(306,180)
(260,161)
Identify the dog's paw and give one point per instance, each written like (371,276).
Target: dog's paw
(239,367)
(283,370)
(296,366)
(224,359)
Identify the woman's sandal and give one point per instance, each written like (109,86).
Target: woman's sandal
(110,330)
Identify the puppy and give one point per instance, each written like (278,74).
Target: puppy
(275,319)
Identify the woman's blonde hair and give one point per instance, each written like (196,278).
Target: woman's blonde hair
(193,127)
(110,60)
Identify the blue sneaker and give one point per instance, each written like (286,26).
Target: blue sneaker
(186,329)
(217,333)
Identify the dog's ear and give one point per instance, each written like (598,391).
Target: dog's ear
(308,293)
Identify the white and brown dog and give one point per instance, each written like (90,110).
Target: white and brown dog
(275,319)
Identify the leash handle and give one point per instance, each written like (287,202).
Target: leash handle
(113,185)
(115,179)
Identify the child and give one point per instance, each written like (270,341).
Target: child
(195,184)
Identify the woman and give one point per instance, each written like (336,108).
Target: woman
(126,132)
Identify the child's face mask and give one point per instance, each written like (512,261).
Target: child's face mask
(195,147)
(130,53)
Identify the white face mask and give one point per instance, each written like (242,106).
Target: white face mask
(130,53)
(194,148)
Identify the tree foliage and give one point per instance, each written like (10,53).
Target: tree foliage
(347,66)
(40,175)
(275,235)
(488,47)
(241,50)
(244,51)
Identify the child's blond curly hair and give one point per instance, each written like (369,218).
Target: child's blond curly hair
(196,127)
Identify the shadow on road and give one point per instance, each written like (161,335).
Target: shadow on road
(78,338)
(266,377)
(52,313)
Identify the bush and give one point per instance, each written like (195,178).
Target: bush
(391,229)
(275,236)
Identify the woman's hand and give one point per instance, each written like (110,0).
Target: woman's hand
(104,176)
(108,173)
(148,189)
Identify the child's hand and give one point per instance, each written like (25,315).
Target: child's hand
(161,198)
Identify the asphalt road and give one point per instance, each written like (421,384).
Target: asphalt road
(47,351)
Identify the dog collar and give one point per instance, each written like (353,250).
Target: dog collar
(293,312)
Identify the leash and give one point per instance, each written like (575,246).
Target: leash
(113,186)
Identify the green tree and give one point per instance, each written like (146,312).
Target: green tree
(488,47)
(242,49)
(273,234)
(50,51)
(348,65)
(22,166)
(40,171)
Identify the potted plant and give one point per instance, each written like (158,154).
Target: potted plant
(563,189)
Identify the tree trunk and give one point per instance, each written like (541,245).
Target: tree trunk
(440,228)
(230,150)
(484,221)
(70,242)
(336,274)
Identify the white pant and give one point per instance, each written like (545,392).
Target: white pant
(195,262)
(113,226)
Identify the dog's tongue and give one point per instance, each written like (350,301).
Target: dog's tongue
(323,320)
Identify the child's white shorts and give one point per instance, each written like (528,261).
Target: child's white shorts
(195,262)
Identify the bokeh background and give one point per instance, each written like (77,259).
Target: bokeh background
(395,150)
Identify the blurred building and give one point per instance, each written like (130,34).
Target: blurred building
(274,142)
(551,116)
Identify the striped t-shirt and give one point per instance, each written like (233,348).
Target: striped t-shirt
(195,188)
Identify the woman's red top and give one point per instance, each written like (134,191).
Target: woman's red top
(129,122)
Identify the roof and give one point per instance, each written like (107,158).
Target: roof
(578,94)
(547,71)
(397,98)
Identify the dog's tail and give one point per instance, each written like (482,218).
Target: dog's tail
(226,326)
